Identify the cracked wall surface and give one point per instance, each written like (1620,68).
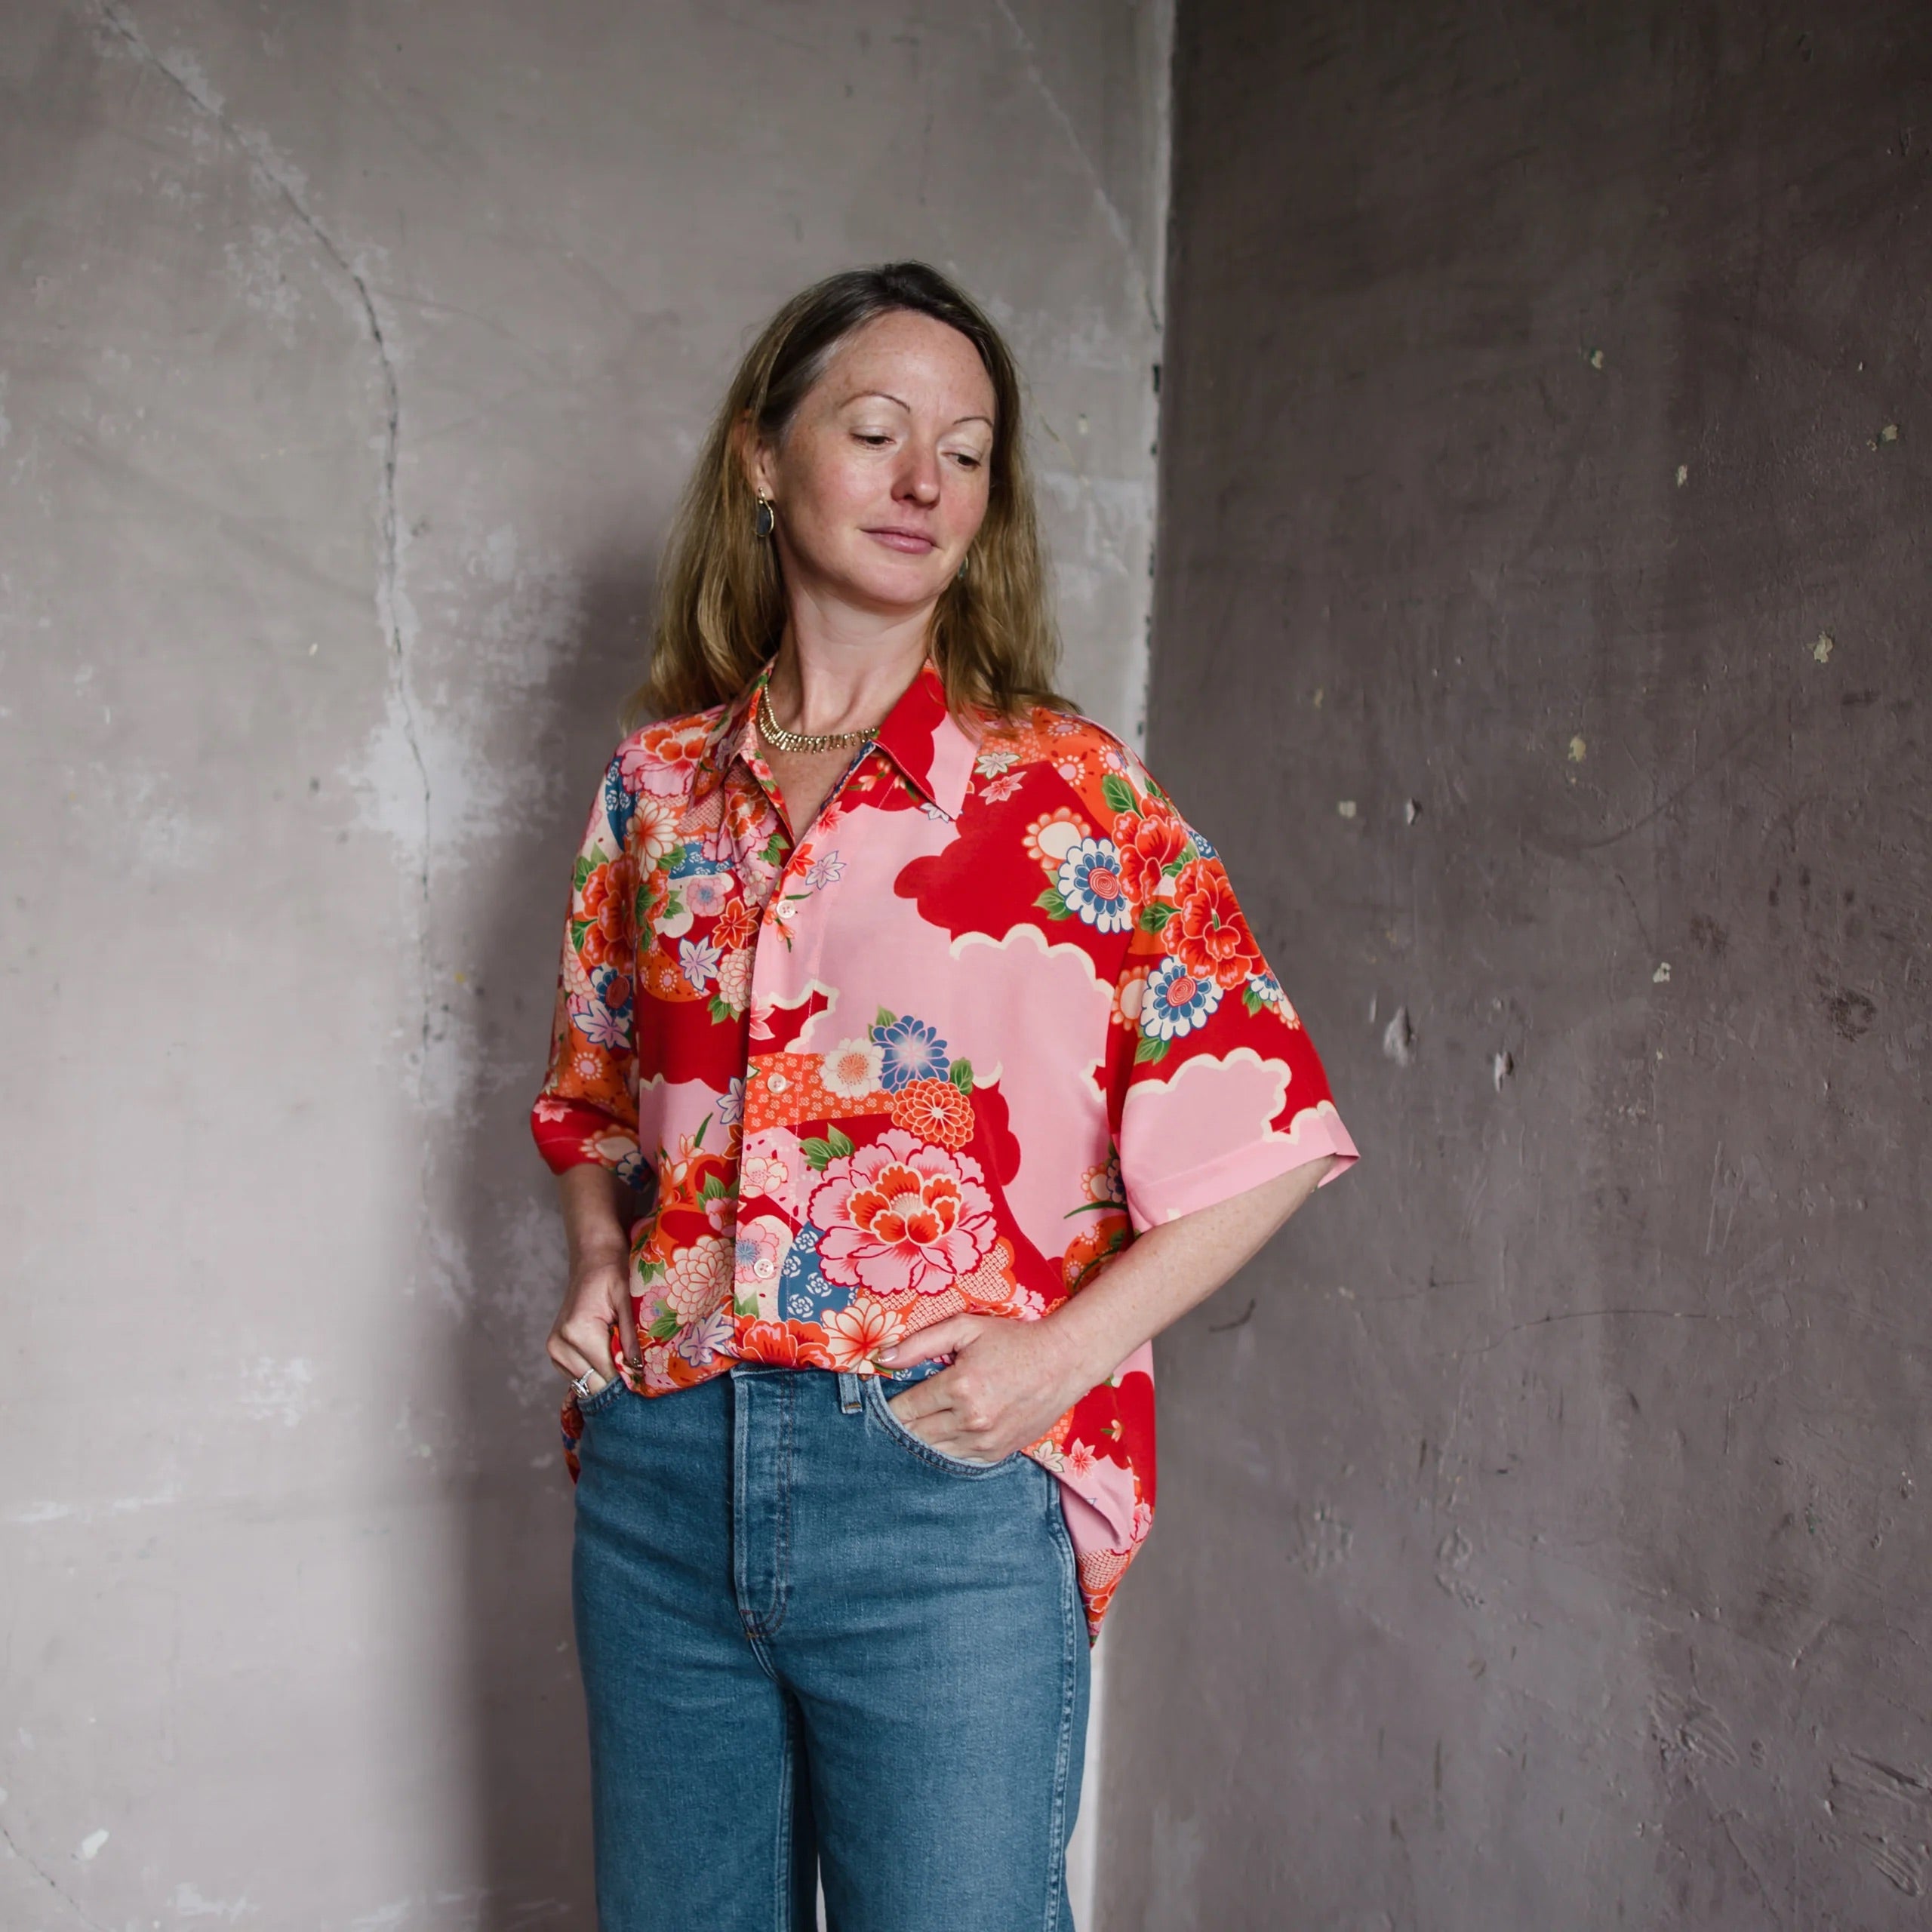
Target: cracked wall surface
(1540,634)
(350,360)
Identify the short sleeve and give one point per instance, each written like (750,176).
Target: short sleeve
(586,1110)
(1218,1088)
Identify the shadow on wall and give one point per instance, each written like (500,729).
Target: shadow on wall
(530,1792)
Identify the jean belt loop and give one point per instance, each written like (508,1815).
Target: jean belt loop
(848,1391)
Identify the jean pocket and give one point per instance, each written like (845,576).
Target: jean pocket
(608,1397)
(880,1409)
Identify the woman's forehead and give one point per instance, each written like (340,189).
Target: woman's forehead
(911,360)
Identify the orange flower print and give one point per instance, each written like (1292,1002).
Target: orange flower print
(854,1335)
(607,896)
(735,928)
(935,1110)
(780,1344)
(661,760)
(1208,934)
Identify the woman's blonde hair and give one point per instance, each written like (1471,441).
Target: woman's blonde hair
(721,608)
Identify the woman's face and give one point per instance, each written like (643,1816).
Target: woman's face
(880,482)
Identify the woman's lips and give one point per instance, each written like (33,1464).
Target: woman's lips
(910,541)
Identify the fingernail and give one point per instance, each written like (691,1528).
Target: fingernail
(888,1355)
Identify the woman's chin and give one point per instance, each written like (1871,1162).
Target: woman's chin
(901,586)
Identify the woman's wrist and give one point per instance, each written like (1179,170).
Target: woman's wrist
(594,1260)
(1093,1345)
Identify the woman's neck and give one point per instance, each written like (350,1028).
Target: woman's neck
(838,678)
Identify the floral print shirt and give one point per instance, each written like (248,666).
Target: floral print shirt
(997,1012)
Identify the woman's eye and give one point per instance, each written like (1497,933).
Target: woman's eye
(873,439)
(966,459)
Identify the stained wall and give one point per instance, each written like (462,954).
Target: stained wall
(1541,634)
(350,359)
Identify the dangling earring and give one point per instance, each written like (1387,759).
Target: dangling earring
(764,519)
(960,573)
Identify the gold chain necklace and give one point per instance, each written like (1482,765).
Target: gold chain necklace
(775,735)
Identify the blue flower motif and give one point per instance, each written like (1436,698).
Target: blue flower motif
(730,1109)
(913,1051)
(804,1294)
(1201,844)
(1175,1002)
(620,805)
(1266,988)
(603,982)
(1089,883)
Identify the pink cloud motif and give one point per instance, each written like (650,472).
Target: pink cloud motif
(899,1214)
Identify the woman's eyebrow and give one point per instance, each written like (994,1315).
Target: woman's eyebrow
(886,395)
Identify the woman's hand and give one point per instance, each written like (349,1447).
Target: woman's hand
(1009,1383)
(1012,1381)
(598,1297)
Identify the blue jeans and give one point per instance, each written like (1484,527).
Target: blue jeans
(813,1646)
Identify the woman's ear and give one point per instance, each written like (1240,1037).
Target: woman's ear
(754,460)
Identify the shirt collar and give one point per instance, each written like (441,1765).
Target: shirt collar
(923,738)
(920,735)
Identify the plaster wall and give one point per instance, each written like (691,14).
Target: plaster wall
(351,358)
(1540,633)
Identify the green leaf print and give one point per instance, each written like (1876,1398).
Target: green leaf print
(773,853)
(713,1189)
(578,928)
(882,1019)
(818,1154)
(1052,904)
(1150,1050)
(586,865)
(1119,793)
(839,1145)
(1155,914)
(960,1074)
(666,1325)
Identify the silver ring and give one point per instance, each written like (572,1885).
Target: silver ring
(580,1387)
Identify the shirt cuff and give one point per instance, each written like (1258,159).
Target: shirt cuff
(1315,1131)
(571,1133)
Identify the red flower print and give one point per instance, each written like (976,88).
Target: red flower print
(608,896)
(1147,846)
(781,1345)
(935,1110)
(735,928)
(898,1215)
(1207,932)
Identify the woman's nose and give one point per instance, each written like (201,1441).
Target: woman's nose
(919,478)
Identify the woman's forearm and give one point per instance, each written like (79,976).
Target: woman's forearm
(1175,1267)
(593,1201)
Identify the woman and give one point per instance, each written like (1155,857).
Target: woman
(934,1044)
